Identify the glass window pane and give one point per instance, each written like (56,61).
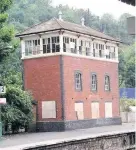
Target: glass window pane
(57,39)
(53,48)
(48,40)
(44,49)
(43,41)
(57,48)
(38,42)
(48,48)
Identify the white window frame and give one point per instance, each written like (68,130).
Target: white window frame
(78,81)
(31,47)
(94,81)
(57,43)
(46,43)
(107,83)
(87,47)
(73,41)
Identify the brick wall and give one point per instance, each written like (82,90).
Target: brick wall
(42,78)
(86,66)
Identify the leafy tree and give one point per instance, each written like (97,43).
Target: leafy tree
(127,66)
(122,30)
(7,44)
(126,103)
(10,66)
(25,13)
(18,110)
(109,25)
(130,67)
(122,68)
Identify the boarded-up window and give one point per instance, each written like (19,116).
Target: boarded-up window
(48,109)
(95,109)
(79,110)
(108,109)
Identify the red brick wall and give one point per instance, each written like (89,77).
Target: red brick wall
(86,66)
(42,78)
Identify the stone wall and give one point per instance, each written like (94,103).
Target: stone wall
(76,124)
(124,141)
(128,117)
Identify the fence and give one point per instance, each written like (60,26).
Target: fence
(128,117)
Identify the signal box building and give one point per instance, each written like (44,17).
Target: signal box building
(72,72)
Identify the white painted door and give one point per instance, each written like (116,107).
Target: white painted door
(95,109)
(108,109)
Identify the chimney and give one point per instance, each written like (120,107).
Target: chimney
(60,15)
(83,21)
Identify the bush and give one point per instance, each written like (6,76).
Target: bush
(18,110)
(126,103)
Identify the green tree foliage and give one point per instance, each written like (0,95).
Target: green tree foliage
(127,66)
(126,103)
(7,44)
(25,13)
(18,110)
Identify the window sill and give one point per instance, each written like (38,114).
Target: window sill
(94,91)
(107,91)
(78,90)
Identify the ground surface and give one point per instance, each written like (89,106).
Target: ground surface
(29,138)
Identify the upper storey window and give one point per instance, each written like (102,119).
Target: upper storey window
(69,45)
(110,52)
(55,44)
(32,47)
(46,45)
(65,43)
(73,45)
(88,47)
(51,45)
(101,49)
(81,47)
(84,47)
(98,49)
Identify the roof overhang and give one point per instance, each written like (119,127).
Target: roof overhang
(130,2)
(63,29)
(34,33)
